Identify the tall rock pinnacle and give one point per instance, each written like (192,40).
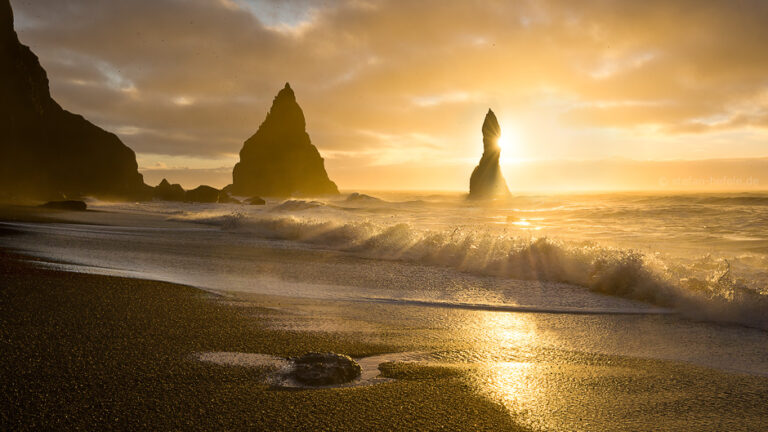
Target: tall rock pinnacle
(279,160)
(486,181)
(46,151)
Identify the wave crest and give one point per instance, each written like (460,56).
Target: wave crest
(704,289)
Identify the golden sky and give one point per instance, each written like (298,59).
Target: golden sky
(395,92)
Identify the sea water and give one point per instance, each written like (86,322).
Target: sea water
(698,262)
(705,255)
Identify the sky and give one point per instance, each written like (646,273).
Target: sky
(395,92)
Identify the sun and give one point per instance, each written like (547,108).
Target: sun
(509,142)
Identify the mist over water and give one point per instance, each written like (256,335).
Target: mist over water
(704,255)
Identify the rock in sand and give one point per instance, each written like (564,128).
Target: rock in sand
(320,369)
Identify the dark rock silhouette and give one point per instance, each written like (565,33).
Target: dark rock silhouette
(255,200)
(202,194)
(224,198)
(66,205)
(317,369)
(486,181)
(46,151)
(168,192)
(279,160)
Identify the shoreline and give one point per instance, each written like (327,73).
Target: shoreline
(237,299)
(88,350)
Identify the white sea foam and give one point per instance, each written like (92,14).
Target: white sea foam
(703,287)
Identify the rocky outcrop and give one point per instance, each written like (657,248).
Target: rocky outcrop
(46,151)
(202,194)
(318,369)
(225,198)
(168,192)
(487,181)
(71,205)
(279,160)
(255,200)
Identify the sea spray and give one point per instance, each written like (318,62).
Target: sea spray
(701,289)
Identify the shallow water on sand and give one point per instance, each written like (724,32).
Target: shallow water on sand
(569,372)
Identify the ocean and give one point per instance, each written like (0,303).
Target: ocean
(703,255)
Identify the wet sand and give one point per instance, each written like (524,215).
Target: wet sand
(544,386)
(89,351)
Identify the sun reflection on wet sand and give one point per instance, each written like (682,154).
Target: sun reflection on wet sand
(514,385)
(522,362)
(509,343)
(505,333)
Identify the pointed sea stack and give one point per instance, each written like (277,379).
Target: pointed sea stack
(46,151)
(279,160)
(486,181)
(168,192)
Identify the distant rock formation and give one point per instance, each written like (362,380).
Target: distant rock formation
(486,181)
(202,194)
(71,205)
(279,160)
(46,151)
(168,192)
(225,198)
(255,200)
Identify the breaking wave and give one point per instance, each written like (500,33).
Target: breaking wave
(705,288)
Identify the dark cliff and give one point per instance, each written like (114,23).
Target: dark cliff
(46,151)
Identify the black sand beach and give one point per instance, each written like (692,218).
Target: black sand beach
(96,352)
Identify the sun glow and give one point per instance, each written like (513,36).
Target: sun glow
(510,142)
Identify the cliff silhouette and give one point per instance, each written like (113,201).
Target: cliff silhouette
(279,160)
(486,181)
(46,151)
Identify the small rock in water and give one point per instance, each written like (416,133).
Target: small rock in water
(224,198)
(202,194)
(318,369)
(66,205)
(255,200)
